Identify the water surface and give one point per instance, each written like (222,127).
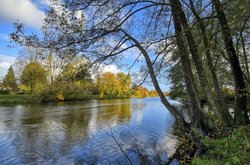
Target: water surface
(87,132)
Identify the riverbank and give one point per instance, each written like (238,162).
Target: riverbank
(14,99)
(27,98)
(231,149)
(221,147)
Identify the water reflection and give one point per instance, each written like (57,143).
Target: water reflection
(80,132)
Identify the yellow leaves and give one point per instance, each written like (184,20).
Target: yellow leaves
(59,96)
(77,83)
(139,91)
(228,91)
(112,85)
(109,84)
(23,87)
(101,95)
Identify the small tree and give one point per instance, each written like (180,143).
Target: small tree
(33,75)
(9,80)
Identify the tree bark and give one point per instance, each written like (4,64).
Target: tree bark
(222,114)
(197,116)
(240,110)
(219,96)
(245,55)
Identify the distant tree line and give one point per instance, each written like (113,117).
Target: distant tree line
(73,82)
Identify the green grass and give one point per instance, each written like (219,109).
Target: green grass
(231,150)
(14,99)
(27,98)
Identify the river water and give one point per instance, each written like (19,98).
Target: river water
(90,132)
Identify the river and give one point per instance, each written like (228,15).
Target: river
(89,132)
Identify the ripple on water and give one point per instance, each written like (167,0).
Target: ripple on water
(86,132)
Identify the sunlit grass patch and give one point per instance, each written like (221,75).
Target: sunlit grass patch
(233,149)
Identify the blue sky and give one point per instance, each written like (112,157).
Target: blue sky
(31,14)
(28,12)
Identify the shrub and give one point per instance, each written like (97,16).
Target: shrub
(63,92)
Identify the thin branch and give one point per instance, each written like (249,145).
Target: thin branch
(118,144)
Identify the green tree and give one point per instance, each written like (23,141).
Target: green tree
(83,76)
(9,80)
(125,82)
(240,108)
(33,75)
(69,73)
(177,90)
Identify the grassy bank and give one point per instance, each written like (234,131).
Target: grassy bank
(231,150)
(14,99)
(27,98)
(17,99)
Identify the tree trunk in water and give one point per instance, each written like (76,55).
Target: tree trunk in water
(219,96)
(197,116)
(223,114)
(240,110)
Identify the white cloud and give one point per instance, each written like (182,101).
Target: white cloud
(102,68)
(23,10)
(111,68)
(5,63)
(4,36)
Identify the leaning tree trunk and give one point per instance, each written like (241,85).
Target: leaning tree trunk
(179,118)
(223,114)
(197,116)
(219,96)
(240,109)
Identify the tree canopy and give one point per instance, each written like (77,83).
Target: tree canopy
(33,75)
(9,80)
